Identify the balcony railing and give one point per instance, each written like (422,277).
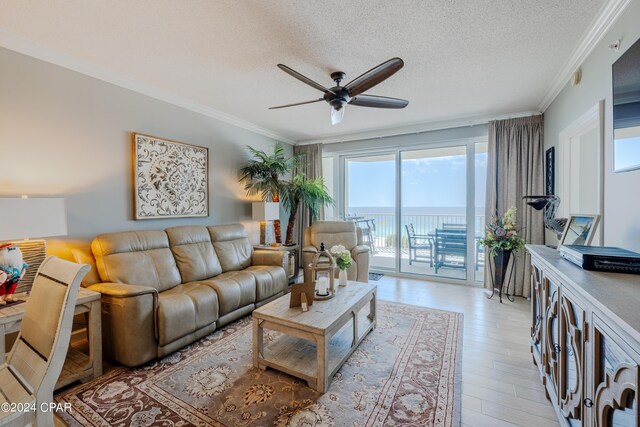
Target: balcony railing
(385,226)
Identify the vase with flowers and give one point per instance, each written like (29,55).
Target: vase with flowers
(343,262)
(501,240)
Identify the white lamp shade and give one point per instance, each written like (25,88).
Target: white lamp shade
(25,218)
(265,211)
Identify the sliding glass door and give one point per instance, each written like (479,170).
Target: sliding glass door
(370,196)
(421,209)
(433,212)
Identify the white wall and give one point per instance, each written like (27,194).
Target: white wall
(408,139)
(69,135)
(622,204)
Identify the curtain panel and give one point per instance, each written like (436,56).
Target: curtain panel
(311,166)
(515,169)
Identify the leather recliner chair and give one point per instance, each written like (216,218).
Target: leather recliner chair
(332,233)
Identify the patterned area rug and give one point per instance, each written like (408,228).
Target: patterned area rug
(405,372)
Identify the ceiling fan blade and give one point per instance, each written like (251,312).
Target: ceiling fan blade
(297,103)
(374,76)
(303,79)
(378,101)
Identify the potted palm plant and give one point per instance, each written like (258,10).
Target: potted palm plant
(303,192)
(263,173)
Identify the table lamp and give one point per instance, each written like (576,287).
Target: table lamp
(25,218)
(265,212)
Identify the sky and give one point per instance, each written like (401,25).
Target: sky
(425,182)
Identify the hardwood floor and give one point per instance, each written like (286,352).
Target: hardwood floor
(500,384)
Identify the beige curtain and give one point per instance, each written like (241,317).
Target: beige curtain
(311,166)
(515,169)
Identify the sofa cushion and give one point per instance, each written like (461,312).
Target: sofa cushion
(232,246)
(270,280)
(333,233)
(235,289)
(193,251)
(183,310)
(136,258)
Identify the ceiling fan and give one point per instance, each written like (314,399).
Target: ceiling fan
(352,93)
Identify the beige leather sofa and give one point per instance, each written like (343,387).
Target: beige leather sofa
(336,233)
(163,290)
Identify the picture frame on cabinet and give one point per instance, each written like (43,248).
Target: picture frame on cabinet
(579,230)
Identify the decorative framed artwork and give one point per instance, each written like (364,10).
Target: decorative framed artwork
(170,179)
(550,171)
(579,230)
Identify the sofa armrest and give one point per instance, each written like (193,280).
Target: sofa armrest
(266,257)
(310,249)
(128,322)
(361,255)
(122,290)
(361,249)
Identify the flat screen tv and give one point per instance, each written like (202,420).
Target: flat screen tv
(626,110)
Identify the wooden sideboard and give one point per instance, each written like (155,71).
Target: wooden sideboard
(585,340)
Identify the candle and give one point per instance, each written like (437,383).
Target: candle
(323,285)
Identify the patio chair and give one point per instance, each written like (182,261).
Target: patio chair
(451,248)
(422,242)
(368,227)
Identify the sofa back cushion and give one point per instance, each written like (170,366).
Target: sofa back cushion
(232,246)
(194,254)
(136,258)
(333,233)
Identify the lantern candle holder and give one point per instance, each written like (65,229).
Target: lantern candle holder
(322,273)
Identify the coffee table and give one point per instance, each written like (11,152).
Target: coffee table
(313,345)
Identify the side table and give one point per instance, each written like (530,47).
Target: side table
(77,365)
(293,258)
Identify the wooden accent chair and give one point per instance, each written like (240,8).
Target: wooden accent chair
(37,357)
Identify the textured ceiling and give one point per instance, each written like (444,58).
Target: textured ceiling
(462,58)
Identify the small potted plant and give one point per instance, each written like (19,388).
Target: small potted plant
(343,262)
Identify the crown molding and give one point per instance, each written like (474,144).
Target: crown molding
(30,48)
(420,127)
(607,15)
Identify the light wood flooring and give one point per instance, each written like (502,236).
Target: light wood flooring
(500,384)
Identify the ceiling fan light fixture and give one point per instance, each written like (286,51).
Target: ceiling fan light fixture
(336,115)
(353,92)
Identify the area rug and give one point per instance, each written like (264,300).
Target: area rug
(405,372)
(375,276)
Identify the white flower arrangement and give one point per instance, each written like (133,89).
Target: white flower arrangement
(342,255)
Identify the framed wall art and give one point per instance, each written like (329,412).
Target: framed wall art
(550,171)
(170,179)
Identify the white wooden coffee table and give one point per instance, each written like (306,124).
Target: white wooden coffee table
(314,344)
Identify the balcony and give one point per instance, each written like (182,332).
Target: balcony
(382,239)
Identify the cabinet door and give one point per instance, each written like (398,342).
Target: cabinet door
(538,293)
(616,379)
(571,358)
(552,336)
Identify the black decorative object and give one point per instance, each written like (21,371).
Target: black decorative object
(501,262)
(550,205)
(550,171)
